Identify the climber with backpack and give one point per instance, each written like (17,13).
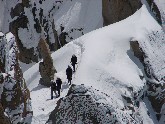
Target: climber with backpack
(74,61)
(69,74)
(58,82)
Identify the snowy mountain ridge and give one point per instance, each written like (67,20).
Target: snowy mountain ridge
(107,62)
(123,62)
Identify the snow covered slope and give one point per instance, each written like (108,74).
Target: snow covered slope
(79,17)
(105,51)
(107,63)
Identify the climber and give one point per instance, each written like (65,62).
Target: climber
(53,88)
(58,82)
(69,74)
(74,61)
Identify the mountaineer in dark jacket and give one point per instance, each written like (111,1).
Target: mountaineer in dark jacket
(69,74)
(74,61)
(58,82)
(53,88)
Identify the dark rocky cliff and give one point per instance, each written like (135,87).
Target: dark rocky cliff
(14,94)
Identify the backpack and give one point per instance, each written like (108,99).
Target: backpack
(69,71)
(59,82)
(74,59)
(53,85)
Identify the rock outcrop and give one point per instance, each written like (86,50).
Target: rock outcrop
(155,10)
(86,105)
(155,79)
(117,10)
(138,52)
(156,95)
(14,95)
(3,118)
(46,67)
(15,100)
(2,52)
(29,17)
(26,55)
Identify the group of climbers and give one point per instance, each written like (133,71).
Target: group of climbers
(56,86)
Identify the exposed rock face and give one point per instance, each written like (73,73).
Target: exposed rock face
(155,10)
(55,45)
(117,10)
(137,50)
(87,105)
(46,67)
(25,55)
(2,52)
(3,118)
(19,8)
(139,53)
(15,100)
(155,81)
(15,96)
(156,95)
(31,20)
(26,19)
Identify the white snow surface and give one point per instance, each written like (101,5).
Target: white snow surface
(79,14)
(104,61)
(10,53)
(1,34)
